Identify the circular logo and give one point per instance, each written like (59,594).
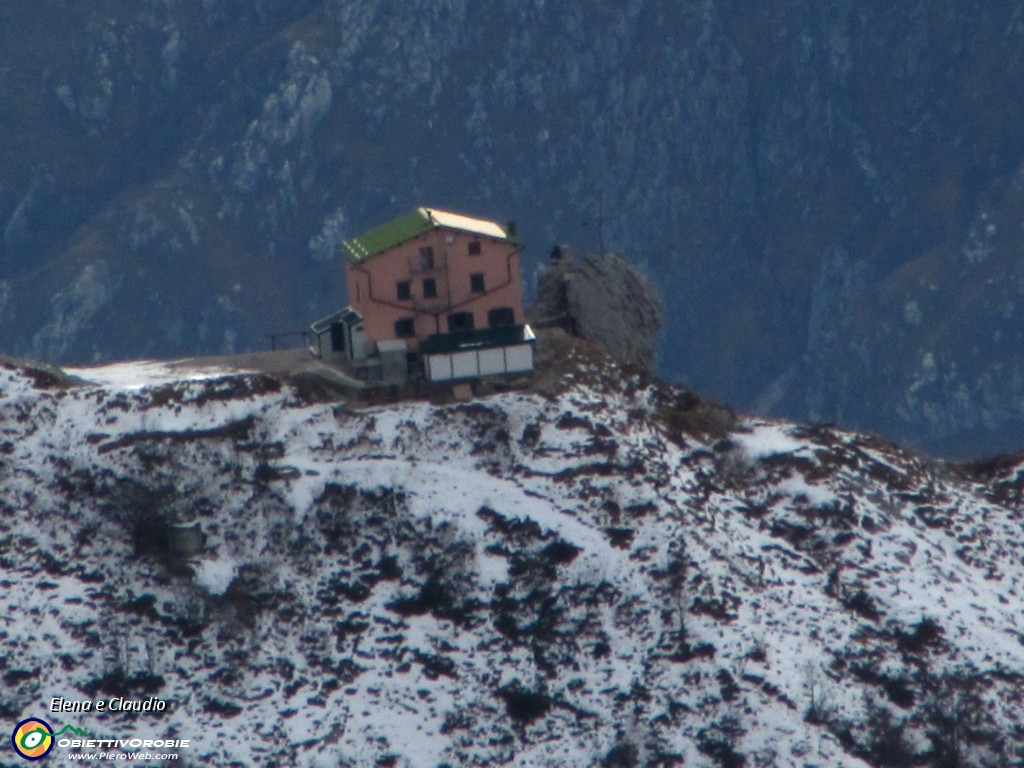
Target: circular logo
(32,738)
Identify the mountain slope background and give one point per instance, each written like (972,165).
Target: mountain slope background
(598,570)
(829,194)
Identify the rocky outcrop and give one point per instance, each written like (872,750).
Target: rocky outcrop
(604,299)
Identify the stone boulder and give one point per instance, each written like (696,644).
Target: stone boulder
(604,299)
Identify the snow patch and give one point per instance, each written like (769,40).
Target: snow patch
(768,440)
(145,373)
(215,576)
(816,495)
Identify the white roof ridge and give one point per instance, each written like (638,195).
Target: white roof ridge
(454,220)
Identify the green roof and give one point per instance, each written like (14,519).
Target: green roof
(481,338)
(411,225)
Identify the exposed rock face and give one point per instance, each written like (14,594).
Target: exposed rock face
(603,299)
(202,163)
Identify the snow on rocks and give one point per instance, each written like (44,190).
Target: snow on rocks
(569,578)
(138,374)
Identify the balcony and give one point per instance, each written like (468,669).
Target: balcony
(422,265)
(432,306)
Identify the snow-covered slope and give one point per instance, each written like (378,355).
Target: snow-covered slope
(607,572)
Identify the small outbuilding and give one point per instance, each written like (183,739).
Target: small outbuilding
(339,337)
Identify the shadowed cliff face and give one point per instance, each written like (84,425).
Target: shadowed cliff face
(827,194)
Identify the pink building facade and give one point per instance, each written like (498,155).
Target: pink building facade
(434,272)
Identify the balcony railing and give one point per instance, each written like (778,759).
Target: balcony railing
(438,265)
(416,270)
(432,306)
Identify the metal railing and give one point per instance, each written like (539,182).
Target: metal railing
(288,339)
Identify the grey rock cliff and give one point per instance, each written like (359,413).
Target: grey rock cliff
(603,299)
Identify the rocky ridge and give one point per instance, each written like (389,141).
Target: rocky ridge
(601,570)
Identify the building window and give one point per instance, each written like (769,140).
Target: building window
(500,317)
(476,282)
(430,288)
(404,290)
(474,247)
(426,257)
(405,328)
(460,321)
